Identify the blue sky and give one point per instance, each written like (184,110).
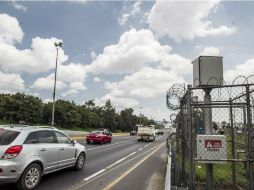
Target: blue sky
(128,51)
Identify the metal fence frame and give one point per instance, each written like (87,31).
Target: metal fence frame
(184,148)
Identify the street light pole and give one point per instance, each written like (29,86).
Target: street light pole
(140,115)
(58,46)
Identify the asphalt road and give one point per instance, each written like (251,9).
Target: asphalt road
(121,165)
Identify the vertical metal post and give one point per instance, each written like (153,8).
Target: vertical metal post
(54,92)
(140,116)
(245,135)
(191,149)
(177,169)
(249,152)
(208,131)
(183,146)
(232,143)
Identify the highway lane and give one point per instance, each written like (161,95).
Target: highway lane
(99,158)
(143,169)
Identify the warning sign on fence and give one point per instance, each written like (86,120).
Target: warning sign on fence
(211,148)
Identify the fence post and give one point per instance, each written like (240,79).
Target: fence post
(208,131)
(249,153)
(191,149)
(177,168)
(183,146)
(245,135)
(232,143)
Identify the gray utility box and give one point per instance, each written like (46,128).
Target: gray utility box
(207,71)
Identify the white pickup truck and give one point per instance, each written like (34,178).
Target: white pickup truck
(146,133)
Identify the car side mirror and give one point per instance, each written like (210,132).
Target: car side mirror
(73,142)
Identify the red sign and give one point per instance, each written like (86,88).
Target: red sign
(213,144)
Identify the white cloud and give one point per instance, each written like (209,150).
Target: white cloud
(97,79)
(210,51)
(177,63)
(18,6)
(72,72)
(116,101)
(134,50)
(10,30)
(148,82)
(246,69)
(48,83)
(77,85)
(11,82)
(70,77)
(185,19)
(135,9)
(70,92)
(40,58)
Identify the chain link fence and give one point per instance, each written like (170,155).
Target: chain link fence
(204,114)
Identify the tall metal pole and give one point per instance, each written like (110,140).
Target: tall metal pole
(245,135)
(191,149)
(233,143)
(58,45)
(208,131)
(178,151)
(249,153)
(183,146)
(140,116)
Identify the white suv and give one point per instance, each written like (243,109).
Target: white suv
(28,152)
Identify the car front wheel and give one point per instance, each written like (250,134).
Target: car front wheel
(80,161)
(30,178)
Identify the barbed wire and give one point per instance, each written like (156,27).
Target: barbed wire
(235,88)
(174,95)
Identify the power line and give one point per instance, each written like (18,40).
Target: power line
(23,86)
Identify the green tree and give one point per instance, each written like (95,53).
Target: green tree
(109,119)
(22,108)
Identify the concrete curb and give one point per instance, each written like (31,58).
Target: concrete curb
(168,175)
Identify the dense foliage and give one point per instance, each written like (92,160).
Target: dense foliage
(27,109)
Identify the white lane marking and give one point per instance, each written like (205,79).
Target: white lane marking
(82,184)
(122,159)
(113,183)
(132,153)
(95,174)
(140,149)
(148,144)
(108,145)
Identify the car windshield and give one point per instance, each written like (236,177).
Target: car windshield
(7,136)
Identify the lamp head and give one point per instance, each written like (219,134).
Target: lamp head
(59,44)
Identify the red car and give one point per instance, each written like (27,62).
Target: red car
(98,137)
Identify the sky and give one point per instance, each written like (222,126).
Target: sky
(130,52)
